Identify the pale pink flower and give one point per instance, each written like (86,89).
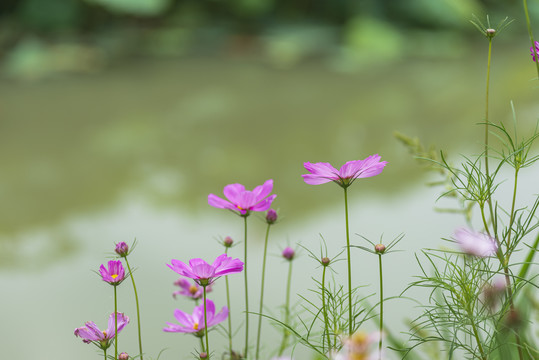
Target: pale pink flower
(244,201)
(190,289)
(321,173)
(475,243)
(194,323)
(203,273)
(90,333)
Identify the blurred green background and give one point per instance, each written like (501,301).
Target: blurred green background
(118,117)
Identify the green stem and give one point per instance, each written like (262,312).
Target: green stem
(476,335)
(350,319)
(284,343)
(381,306)
(487,173)
(324,307)
(512,216)
(105,353)
(229,314)
(138,310)
(246,288)
(527,262)
(115,325)
(202,344)
(262,292)
(530,32)
(206,323)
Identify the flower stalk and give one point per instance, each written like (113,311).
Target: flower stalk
(246,286)
(138,309)
(262,291)
(351,319)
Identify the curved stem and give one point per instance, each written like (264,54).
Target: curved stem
(530,33)
(138,311)
(206,323)
(350,319)
(246,289)
(229,313)
(284,343)
(115,324)
(324,307)
(262,292)
(381,306)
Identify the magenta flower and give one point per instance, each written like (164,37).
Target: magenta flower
(203,273)
(189,289)
(475,243)
(244,201)
(535,52)
(114,274)
(321,173)
(195,323)
(90,333)
(122,249)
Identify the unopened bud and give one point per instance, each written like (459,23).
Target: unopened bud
(122,249)
(271,216)
(203,355)
(325,261)
(228,242)
(380,248)
(123,356)
(288,253)
(490,32)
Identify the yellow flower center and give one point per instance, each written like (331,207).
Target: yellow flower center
(195,326)
(193,289)
(114,276)
(104,333)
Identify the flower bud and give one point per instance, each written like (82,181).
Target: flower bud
(380,248)
(325,261)
(203,355)
(228,242)
(271,216)
(490,32)
(288,253)
(122,249)
(123,356)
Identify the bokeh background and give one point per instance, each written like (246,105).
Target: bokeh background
(119,117)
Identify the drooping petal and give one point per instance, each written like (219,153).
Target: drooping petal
(181,268)
(312,179)
(217,202)
(89,332)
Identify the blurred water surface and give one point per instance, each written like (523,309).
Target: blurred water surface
(133,151)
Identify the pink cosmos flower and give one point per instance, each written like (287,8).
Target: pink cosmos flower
(90,333)
(321,173)
(195,323)
(535,52)
(244,201)
(189,289)
(475,243)
(203,273)
(114,274)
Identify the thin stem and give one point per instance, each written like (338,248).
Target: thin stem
(381,306)
(115,325)
(246,288)
(324,307)
(105,353)
(206,323)
(512,216)
(476,335)
(262,292)
(530,32)
(526,266)
(138,311)
(487,173)
(229,313)
(350,319)
(202,344)
(284,343)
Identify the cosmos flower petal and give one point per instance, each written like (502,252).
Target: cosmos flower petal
(183,318)
(264,204)
(217,202)
(313,179)
(232,191)
(475,243)
(220,317)
(263,190)
(241,200)
(199,269)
